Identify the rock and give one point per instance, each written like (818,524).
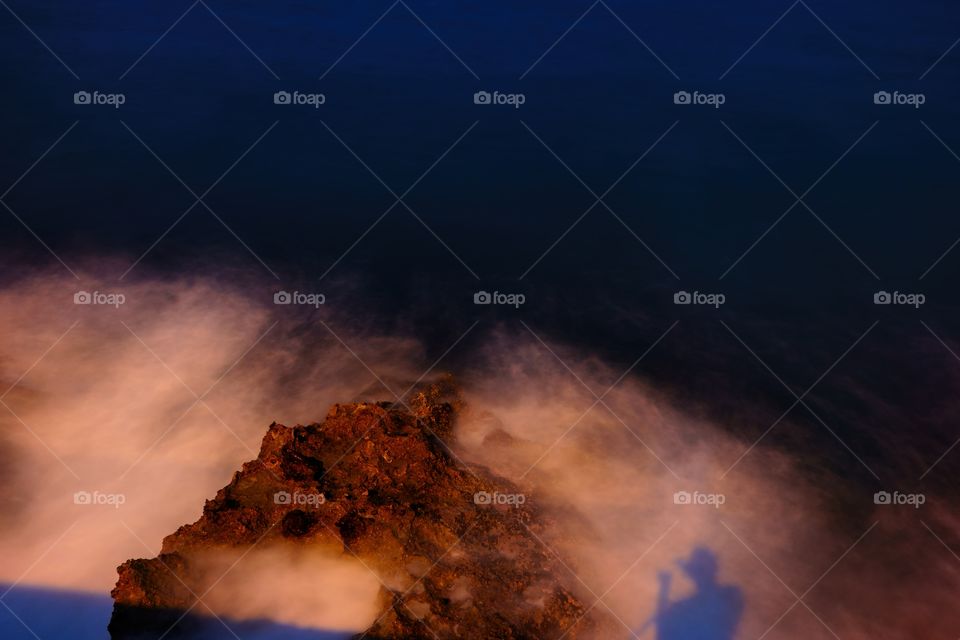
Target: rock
(460,548)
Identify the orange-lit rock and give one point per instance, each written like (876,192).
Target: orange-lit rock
(455,547)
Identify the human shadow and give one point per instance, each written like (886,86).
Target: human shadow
(712,612)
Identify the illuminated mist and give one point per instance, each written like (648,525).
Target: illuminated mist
(112,409)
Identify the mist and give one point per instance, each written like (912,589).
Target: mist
(118,421)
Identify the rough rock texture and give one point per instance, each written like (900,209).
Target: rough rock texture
(396,498)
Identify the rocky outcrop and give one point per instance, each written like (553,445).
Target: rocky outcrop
(459,551)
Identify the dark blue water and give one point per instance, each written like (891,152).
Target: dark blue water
(800,99)
(51,613)
(399,98)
